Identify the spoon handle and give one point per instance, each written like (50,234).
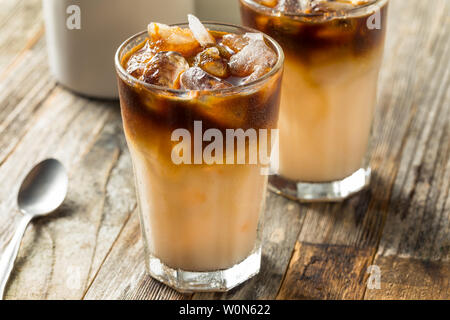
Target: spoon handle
(8,257)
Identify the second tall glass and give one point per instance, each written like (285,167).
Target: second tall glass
(329,93)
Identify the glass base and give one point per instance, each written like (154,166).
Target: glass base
(333,191)
(213,281)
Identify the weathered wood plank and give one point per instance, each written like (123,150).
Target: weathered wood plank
(120,198)
(68,129)
(123,274)
(49,129)
(409,278)
(322,271)
(420,212)
(24,77)
(414,251)
(402,135)
(21,26)
(22,93)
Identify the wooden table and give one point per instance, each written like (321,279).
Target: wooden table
(92,248)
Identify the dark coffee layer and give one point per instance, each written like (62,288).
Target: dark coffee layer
(193,82)
(306,37)
(258,109)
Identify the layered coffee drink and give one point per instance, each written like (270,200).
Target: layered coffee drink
(333,51)
(195,99)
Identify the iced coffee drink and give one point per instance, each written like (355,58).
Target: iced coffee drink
(333,51)
(199,103)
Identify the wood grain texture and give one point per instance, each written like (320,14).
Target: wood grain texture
(414,250)
(67,239)
(418,223)
(408,278)
(123,274)
(92,247)
(406,210)
(21,26)
(322,271)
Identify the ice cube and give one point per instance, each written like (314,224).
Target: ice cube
(237,42)
(257,36)
(211,61)
(138,61)
(255,54)
(305,5)
(290,6)
(196,78)
(331,6)
(200,32)
(166,38)
(258,72)
(164,69)
(296,6)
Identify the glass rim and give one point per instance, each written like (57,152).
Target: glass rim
(277,13)
(124,75)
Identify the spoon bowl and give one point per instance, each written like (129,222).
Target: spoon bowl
(44,189)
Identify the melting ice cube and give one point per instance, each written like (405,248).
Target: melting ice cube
(200,32)
(196,78)
(164,69)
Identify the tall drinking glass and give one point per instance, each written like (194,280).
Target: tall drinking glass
(201,222)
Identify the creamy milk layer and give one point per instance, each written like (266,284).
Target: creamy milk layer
(327,119)
(199,218)
(333,54)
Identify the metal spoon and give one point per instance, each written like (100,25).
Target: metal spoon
(41,193)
